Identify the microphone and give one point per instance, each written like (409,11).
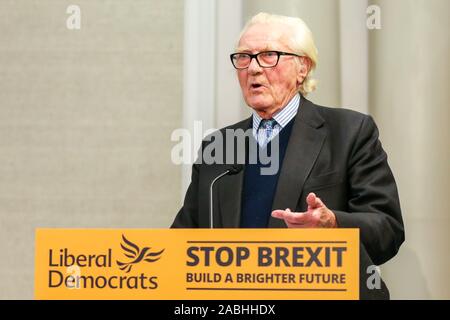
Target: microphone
(234,169)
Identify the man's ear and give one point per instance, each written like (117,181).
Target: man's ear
(305,66)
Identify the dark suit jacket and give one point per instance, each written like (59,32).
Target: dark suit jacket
(332,152)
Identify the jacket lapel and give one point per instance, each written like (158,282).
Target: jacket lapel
(230,190)
(304,145)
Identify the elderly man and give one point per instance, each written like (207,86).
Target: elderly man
(333,170)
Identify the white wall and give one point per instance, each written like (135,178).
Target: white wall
(85,121)
(409,99)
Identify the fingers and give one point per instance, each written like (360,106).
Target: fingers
(297,218)
(313,201)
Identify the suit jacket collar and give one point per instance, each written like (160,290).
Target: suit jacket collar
(304,145)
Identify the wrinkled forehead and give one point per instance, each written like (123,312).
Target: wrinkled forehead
(264,36)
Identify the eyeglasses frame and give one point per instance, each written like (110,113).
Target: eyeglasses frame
(255,56)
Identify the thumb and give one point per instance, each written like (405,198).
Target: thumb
(313,201)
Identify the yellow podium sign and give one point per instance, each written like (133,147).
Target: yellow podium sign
(178,264)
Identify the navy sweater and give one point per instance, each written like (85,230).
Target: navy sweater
(259,190)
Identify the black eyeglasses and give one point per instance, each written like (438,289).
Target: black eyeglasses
(265,59)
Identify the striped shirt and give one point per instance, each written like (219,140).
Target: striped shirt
(282,118)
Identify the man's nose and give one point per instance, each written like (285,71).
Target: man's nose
(254,67)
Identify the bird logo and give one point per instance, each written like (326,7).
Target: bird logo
(137,255)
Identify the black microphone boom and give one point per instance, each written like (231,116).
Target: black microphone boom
(234,169)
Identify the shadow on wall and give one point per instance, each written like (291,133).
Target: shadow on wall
(404,276)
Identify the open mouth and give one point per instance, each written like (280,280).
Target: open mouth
(256,86)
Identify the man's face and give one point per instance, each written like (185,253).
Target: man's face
(267,90)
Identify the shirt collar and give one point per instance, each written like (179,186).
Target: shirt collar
(283,116)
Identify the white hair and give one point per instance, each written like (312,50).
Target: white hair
(301,42)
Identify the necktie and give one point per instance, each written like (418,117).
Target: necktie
(266,131)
